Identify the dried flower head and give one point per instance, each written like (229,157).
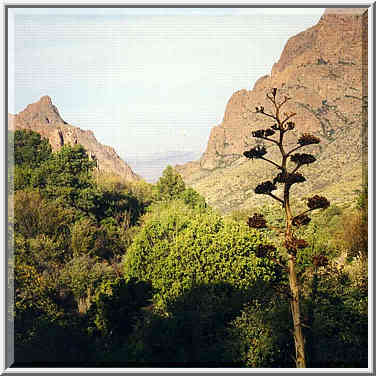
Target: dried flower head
(295,244)
(319,260)
(308,139)
(258,134)
(256,152)
(264,249)
(289,179)
(302,159)
(265,188)
(300,243)
(262,133)
(257,221)
(290,125)
(301,220)
(260,109)
(318,202)
(269,132)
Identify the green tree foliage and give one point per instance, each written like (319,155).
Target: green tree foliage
(355,227)
(259,335)
(194,288)
(203,269)
(102,204)
(105,240)
(116,304)
(65,175)
(179,246)
(34,215)
(68,234)
(22,177)
(193,198)
(82,275)
(335,312)
(30,149)
(139,189)
(170,185)
(191,331)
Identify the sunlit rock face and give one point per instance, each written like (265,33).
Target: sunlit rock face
(43,117)
(324,71)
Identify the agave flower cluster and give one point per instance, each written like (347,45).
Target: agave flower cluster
(284,176)
(287,177)
(256,152)
(263,133)
(308,139)
(264,250)
(320,260)
(265,188)
(257,221)
(301,220)
(302,159)
(318,202)
(293,245)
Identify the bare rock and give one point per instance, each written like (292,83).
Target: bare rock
(43,117)
(324,70)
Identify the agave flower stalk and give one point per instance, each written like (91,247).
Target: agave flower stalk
(282,125)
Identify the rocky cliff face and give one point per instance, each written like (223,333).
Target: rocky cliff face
(324,71)
(43,117)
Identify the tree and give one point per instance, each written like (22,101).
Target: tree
(179,246)
(65,175)
(30,148)
(30,151)
(169,185)
(203,268)
(287,177)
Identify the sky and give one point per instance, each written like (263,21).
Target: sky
(145,80)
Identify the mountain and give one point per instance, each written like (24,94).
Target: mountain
(43,117)
(324,71)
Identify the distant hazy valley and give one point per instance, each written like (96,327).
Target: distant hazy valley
(151,166)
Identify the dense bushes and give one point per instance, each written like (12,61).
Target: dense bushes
(140,274)
(203,270)
(179,246)
(69,233)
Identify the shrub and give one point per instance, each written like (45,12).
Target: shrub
(33,215)
(259,336)
(170,185)
(179,247)
(82,275)
(30,148)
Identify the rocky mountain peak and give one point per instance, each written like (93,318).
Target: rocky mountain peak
(41,112)
(323,70)
(43,117)
(45,100)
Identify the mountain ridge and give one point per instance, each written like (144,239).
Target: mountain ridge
(44,118)
(324,70)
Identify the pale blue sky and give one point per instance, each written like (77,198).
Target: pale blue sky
(145,80)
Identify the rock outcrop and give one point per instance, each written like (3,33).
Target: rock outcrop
(324,71)
(43,117)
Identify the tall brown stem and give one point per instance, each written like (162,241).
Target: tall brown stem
(293,282)
(288,178)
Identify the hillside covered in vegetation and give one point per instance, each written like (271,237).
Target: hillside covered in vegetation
(116,273)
